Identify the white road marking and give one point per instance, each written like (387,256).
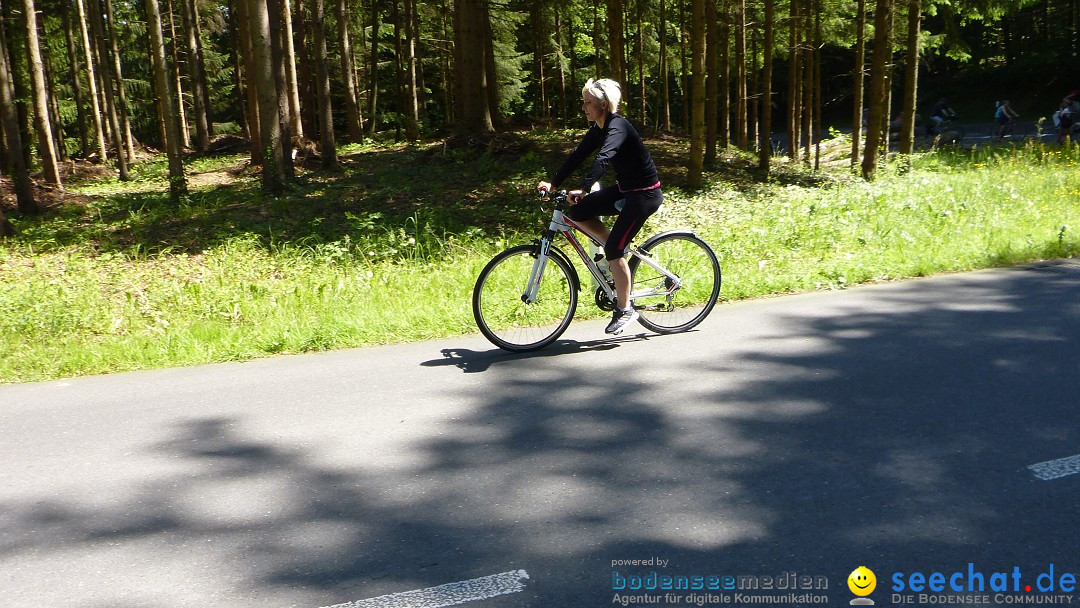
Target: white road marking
(1053,469)
(450,594)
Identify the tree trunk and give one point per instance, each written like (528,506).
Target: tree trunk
(196,76)
(373,70)
(399,69)
(539,35)
(878,78)
(9,116)
(491,80)
(473,110)
(712,88)
(412,96)
(447,65)
(273,152)
(11,20)
(5,151)
(684,73)
(185,131)
(725,75)
(860,69)
(46,147)
(794,95)
(353,125)
(765,132)
(328,148)
(808,125)
(75,66)
(166,104)
(560,53)
(237,62)
(665,77)
(740,78)
(697,94)
(817,84)
(597,37)
(125,114)
(752,86)
(251,94)
(91,77)
(643,117)
(108,81)
(305,77)
(291,82)
(417,60)
(911,79)
(6,229)
(572,34)
(55,123)
(616,42)
(275,13)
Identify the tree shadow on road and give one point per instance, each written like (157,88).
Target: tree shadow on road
(895,434)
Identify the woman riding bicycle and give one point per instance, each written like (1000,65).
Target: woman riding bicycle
(940,113)
(1005,116)
(638,187)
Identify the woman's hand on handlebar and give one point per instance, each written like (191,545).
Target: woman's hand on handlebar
(544,186)
(575,196)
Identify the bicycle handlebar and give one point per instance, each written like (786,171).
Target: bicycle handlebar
(559,198)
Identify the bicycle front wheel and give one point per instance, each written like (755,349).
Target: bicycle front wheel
(499,307)
(663,309)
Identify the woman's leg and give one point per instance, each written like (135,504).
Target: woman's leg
(595,204)
(620,272)
(595,226)
(638,207)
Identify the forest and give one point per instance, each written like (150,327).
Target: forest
(101,80)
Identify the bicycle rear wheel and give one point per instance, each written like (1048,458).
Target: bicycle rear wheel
(693,261)
(502,315)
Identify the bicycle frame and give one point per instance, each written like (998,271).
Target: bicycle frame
(560,224)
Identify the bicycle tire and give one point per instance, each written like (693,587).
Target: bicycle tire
(1012,132)
(501,314)
(693,261)
(956,134)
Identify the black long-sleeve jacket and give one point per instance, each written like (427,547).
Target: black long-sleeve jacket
(620,147)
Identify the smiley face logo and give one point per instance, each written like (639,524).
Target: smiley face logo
(862,581)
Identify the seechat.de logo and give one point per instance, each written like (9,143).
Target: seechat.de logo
(862,582)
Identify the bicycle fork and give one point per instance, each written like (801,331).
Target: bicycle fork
(543,250)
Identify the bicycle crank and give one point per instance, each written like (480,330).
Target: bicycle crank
(602,301)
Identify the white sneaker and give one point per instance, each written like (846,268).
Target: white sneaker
(620,318)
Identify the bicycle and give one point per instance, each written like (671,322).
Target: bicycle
(946,132)
(1012,130)
(526,296)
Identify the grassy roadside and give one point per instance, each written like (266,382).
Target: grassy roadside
(387,249)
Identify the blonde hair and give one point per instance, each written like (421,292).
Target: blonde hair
(606,91)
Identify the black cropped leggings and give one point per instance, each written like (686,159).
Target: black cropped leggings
(637,208)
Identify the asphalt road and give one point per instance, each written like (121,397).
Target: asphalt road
(975,134)
(890,426)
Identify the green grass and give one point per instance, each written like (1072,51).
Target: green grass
(387,249)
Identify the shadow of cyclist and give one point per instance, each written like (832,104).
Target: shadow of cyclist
(471,361)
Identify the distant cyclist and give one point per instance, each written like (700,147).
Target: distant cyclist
(1066,116)
(1004,115)
(618,145)
(939,114)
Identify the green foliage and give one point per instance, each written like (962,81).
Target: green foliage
(510,64)
(388,249)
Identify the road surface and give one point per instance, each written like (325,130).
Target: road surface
(910,427)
